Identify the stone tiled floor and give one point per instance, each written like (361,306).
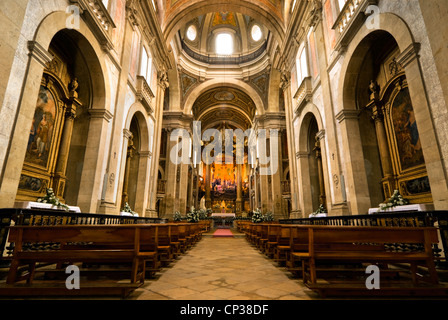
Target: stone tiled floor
(223,269)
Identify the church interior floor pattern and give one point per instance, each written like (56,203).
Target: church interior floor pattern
(223,268)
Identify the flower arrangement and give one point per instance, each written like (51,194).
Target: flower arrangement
(394,201)
(257,217)
(268,217)
(51,199)
(319,210)
(127,208)
(202,214)
(177,216)
(193,215)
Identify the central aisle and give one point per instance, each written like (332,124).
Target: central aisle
(223,269)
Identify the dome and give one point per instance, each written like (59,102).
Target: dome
(224,35)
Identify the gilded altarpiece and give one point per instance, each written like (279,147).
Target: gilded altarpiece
(406,154)
(49,134)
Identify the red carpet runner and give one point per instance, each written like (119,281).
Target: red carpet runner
(223,233)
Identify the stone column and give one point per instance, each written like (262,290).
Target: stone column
(320,171)
(286,87)
(143,181)
(383,146)
(358,195)
(208,197)
(14,151)
(303,169)
(239,189)
(60,179)
(129,156)
(162,85)
(110,201)
(92,172)
(334,164)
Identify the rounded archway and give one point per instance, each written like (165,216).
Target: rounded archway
(374,84)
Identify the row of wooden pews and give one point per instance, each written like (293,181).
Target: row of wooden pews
(333,260)
(111,259)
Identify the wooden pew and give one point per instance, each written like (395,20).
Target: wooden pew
(165,247)
(98,244)
(262,236)
(283,246)
(366,245)
(272,239)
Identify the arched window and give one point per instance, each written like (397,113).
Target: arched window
(224,44)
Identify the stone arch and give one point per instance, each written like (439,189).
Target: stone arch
(234,83)
(308,113)
(358,48)
(346,104)
(44,32)
(308,166)
(94,55)
(138,111)
(134,175)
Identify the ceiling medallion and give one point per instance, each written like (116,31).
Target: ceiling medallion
(224,96)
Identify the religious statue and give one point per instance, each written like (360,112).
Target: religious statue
(202,203)
(374,90)
(73,88)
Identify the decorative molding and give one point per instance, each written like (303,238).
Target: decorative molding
(302,154)
(144,94)
(127,134)
(162,80)
(98,19)
(41,55)
(315,13)
(350,20)
(303,95)
(101,114)
(408,55)
(321,134)
(187,82)
(347,114)
(145,154)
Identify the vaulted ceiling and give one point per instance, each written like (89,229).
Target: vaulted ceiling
(224,104)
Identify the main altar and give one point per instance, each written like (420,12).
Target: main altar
(226,219)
